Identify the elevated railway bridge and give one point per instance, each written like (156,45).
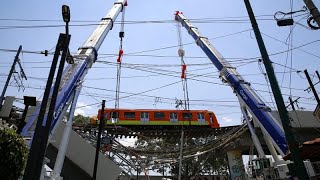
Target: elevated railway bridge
(219,140)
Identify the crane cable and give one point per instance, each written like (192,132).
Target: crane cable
(181,54)
(185,92)
(119,61)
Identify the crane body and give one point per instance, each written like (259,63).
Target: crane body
(247,96)
(74,74)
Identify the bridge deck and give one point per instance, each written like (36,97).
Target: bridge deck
(155,131)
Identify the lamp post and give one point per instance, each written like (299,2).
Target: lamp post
(41,134)
(66,19)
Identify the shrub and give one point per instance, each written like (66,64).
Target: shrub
(13,154)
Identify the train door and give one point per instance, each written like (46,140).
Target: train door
(144,117)
(210,118)
(201,119)
(173,117)
(114,117)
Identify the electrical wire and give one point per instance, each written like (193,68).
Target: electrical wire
(207,20)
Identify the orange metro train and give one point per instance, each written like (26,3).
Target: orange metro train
(158,117)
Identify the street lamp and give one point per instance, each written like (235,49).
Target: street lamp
(66,19)
(66,13)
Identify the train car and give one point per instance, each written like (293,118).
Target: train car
(158,117)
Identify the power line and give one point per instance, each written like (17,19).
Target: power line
(236,18)
(167,47)
(141,94)
(290,45)
(185,44)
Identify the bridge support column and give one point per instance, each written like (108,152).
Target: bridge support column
(236,166)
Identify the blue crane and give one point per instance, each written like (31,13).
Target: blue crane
(243,90)
(74,74)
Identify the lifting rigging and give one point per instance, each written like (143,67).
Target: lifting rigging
(185,94)
(119,62)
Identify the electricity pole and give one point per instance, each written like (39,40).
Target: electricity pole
(16,59)
(313,11)
(101,127)
(292,143)
(312,87)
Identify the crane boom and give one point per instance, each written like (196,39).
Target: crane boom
(74,74)
(249,98)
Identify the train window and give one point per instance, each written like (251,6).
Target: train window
(210,116)
(187,116)
(201,118)
(129,115)
(173,117)
(144,117)
(159,115)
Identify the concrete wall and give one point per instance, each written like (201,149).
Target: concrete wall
(304,119)
(82,154)
(7,106)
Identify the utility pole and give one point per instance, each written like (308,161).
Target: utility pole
(101,127)
(318,75)
(292,143)
(312,87)
(16,59)
(313,11)
(291,103)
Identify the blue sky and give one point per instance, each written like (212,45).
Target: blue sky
(209,95)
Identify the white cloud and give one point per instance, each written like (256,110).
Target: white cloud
(80,111)
(82,105)
(227,119)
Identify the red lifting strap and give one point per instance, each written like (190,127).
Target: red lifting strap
(120,55)
(184,67)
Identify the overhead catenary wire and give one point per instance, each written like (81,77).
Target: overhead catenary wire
(231,19)
(228,58)
(174,46)
(203,75)
(203,57)
(159,73)
(172,99)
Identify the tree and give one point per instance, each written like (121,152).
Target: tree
(209,163)
(13,154)
(79,119)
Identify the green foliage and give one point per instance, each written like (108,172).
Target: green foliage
(79,119)
(13,154)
